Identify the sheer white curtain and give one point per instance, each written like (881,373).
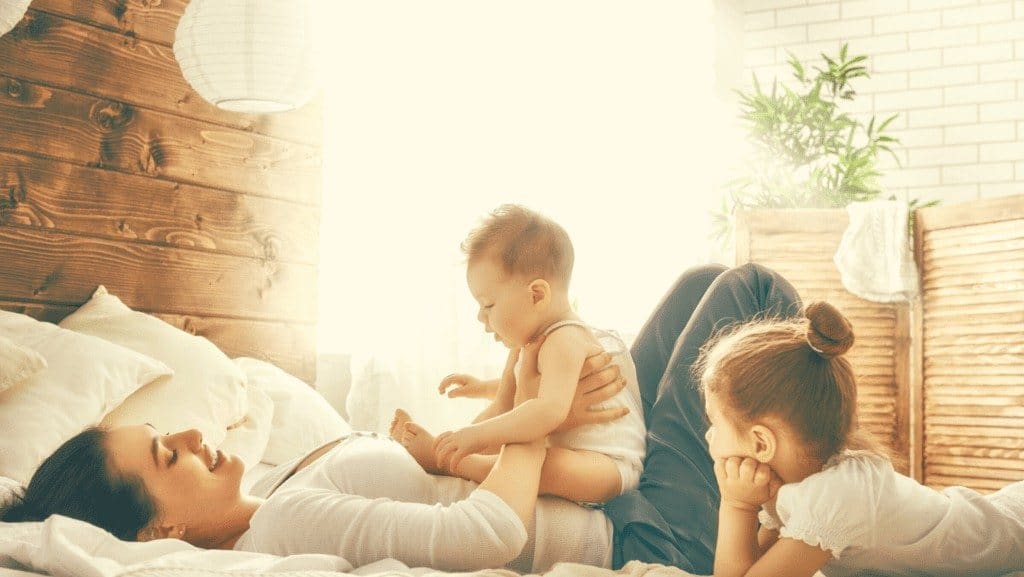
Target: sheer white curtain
(597,113)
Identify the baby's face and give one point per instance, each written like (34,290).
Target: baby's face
(506,303)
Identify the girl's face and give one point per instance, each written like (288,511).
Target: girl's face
(191,483)
(725,437)
(506,303)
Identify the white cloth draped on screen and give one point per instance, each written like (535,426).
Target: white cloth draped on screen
(874,257)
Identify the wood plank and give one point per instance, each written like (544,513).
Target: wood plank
(977,369)
(988,465)
(1011,454)
(977,436)
(943,332)
(971,342)
(143,19)
(40,311)
(977,391)
(936,398)
(996,440)
(996,411)
(289,346)
(981,485)
(902,373)
(971,213)
(982,287)
(972,380)
(84,130)
(63,197)
(809,220)
(58,52)
(984,258)
(1006,269)
(978,234)
(973,421)
(65,269)
(1000,313)
(973,472)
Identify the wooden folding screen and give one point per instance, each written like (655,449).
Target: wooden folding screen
(800,244)
(941,380)
(972,343)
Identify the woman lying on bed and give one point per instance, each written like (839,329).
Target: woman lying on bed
(364,498)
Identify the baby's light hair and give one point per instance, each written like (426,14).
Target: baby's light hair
(795,370)
(524,242)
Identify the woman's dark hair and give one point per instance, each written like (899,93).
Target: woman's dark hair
(76,481)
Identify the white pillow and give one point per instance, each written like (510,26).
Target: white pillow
(11,491)
(303,419)
(17,363)
(85,378)
(248,441)
(207,391)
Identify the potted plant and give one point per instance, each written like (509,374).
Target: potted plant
(806,151)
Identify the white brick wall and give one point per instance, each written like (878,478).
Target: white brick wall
(952,69)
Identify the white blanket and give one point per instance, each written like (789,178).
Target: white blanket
(69,548)
(65,547)
(874,258)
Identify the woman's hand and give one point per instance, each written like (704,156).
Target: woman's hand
(599,381)
(451,447)
(745,483)
(467,386)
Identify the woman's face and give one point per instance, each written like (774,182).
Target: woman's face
(191,483)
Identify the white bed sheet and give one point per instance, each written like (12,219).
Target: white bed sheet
(66,547)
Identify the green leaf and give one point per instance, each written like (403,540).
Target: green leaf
(887,122)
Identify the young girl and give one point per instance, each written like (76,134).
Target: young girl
(803,491)
(519,264)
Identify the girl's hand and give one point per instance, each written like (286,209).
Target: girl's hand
(466,386)
(451,447)
(745,483)
(599,381)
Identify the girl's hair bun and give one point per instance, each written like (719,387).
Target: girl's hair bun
(828,332)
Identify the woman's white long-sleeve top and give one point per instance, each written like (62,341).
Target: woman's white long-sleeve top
(367,499)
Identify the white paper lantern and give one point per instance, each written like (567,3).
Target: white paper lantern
(11,12)
(248,55)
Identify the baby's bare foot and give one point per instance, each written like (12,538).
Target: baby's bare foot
(420,445)
(398,424)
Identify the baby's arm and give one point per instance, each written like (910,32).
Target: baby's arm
(502,402)
(559,361)
(561,356)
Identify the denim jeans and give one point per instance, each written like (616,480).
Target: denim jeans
(672,517)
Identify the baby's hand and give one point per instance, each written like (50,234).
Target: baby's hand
(745,483)
(451,447)
(465,386)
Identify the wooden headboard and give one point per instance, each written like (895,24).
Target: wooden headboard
(114,172)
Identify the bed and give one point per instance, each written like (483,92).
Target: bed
(108,363)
